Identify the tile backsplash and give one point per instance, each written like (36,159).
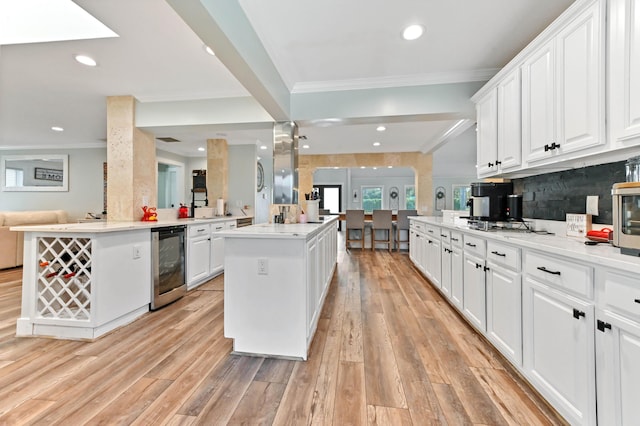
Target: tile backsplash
(551,196)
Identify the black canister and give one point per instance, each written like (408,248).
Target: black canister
(514,207)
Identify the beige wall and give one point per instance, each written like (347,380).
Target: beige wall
(422,165)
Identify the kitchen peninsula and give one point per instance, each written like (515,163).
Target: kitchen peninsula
(275,283)
(82,280)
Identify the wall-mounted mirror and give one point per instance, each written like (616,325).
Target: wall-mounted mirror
(34,172)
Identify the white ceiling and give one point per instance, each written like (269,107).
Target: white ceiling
(336,68)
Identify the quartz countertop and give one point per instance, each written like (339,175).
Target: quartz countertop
(107,226)
(572,247)
(279,230)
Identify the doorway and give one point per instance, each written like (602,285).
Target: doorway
(170,184)
(330,197)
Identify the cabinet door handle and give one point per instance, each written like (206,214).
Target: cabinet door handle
(489,165)
(499,254)
(543,269)
(486,268)
(603,325)
(469,244)
(498,162)
(547,147)
(577,314)
(478,266)
(636,300)
(430,242)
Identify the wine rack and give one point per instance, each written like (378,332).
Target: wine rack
(64,278)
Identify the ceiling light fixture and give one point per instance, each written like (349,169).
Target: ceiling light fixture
(57,129)
(86,60)
(381,128)
(263,147)
(200,149)
(376,144)
(412,32)
(209,50)
(389,167)
(305,146)
(362,167)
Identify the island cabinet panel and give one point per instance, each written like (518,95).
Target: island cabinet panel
(82,285)
(275,282)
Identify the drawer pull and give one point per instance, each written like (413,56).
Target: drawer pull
(454,239)
(430,231)
(543,269)
(577,314)
(499,254)
(443,235)
(470,245)
(602,326)
(478,266)
(430,242)
(636,300)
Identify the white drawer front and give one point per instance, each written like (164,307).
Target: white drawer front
(218,226)
(503,254)
(432,231)
(456,238)
(475,245)
(622,293)
(200,229)
(566,274)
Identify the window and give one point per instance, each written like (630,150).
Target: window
(410,197)
(14,177)
(461,194)
(371,198)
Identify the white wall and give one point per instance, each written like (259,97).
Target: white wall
(242,177)
(85,185)
(455,164)
(353,179)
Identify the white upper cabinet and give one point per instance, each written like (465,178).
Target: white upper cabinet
(624,73)
(499,129)
(563,90)
(487,118)
(509,122)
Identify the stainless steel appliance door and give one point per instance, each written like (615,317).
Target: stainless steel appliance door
(168,265)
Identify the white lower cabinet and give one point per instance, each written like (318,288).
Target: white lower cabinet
(474,289)
(205,251)
(198,252)
(504,311)
(618,348)
(558,350)
(504,300)
(445,278)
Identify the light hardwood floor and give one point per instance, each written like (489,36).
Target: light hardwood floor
(388,351)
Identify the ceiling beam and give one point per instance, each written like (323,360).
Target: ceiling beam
(223,26)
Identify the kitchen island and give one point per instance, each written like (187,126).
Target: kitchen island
(82,280)
(275,283)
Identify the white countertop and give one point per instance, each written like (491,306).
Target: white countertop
(572,247)
(279,230)
(102,226)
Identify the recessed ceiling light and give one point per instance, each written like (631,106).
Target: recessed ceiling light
(412,32)
(336,168)
(263,147)
(375,168)
(389,167)
(57,129)
(86,60)
(305,146)
(200,149)
(376,144)
(362,167)
(381,128)
(259,158)
(209,50)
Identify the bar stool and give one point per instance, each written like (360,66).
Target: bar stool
(382,221)
(355,222)
(402,224)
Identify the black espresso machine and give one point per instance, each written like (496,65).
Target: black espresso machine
(494,202)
